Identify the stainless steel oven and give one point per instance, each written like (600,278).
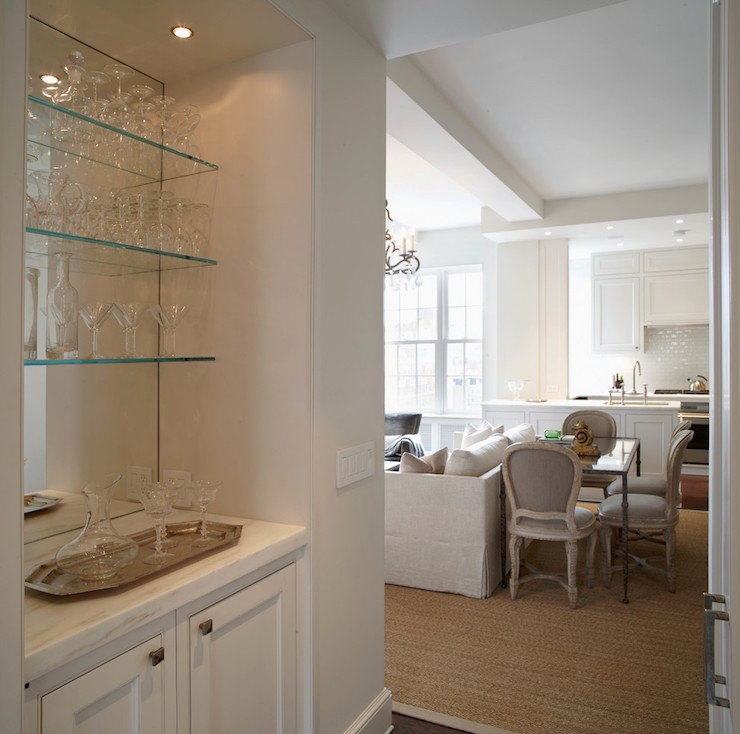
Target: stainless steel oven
(697,450)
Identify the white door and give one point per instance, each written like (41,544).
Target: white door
(724,477)
(122,696)
(243,660)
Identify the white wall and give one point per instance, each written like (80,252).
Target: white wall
(347,358)
(531,294)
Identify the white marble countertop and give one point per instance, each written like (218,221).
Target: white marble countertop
(60,629)
(659,403)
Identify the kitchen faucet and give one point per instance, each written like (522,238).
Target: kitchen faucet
(639,367)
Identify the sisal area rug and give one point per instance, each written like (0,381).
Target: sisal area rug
(535,666)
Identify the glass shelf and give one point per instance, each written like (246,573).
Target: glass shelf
(100,143)
(101,257)
(132,360)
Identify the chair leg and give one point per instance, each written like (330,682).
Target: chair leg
(515,545)
(571,551)
(669,534)
(590,551)
(606,548)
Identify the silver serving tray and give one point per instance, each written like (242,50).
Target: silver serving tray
(36,501)
(50,579)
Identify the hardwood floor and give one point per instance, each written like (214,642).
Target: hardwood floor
(407,725)
(694,492)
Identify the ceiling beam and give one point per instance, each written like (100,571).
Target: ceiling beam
(420,117)
(617,207)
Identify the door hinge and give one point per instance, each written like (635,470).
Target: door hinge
(712,679)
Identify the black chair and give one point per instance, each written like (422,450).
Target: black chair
(406,427)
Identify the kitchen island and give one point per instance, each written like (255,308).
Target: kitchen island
(652,421)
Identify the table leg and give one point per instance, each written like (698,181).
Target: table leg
(637,460)
(625,535)
(502,530)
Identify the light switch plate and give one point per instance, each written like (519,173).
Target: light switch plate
(355,463)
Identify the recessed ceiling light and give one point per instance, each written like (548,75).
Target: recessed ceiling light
(679,221)
(49,78)
(182,31)
(679,239)
(547,234)
(610,226)
(620,244)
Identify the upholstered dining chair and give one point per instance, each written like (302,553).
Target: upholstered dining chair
(648,485)
(542,482)
(602,424)
(648,513)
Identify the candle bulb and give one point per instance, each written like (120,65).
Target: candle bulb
(411,249)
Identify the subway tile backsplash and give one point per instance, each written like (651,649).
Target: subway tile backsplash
(672,354)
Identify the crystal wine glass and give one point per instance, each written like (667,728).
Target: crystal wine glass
(203,492)
(129,316)
(157,500)
(94,316)
(168,317)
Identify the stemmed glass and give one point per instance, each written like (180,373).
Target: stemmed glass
(94,315)
(129,316)
(157,501)
(168,317)
(203,492)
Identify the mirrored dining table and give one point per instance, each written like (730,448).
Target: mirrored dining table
(617,457)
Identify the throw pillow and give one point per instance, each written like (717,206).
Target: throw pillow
(475,461)
(433,463)
(523,433)
(473,434)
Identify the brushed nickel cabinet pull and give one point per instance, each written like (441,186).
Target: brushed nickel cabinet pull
(156,656)
(711,679)
(206,627)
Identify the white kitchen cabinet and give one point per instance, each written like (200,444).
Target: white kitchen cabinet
(242,660)
(654,432)
(675,259)
(616,315)
(124,695)
(676,298)
(615,263)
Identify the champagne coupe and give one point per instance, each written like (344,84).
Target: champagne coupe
(169,317)
(157,501)
(129,316)
(172,487)
(116,117)
(94,315)
(203,492)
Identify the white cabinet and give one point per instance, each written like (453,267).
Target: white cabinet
(223,663)
(676,298)
(242,663)
(616,325)
(654,432)
(125,695)
(615,263)
(675,259)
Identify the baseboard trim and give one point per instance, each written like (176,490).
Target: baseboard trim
(434,717)
(376,718)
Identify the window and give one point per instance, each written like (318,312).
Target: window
(434,343)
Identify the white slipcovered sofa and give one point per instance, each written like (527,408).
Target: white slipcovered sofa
(442,531)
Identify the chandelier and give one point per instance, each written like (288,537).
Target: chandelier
(401,262)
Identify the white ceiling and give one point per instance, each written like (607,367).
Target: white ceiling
(591,100)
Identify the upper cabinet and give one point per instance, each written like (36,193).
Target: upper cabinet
(616,313)
(667,287)
(676,286)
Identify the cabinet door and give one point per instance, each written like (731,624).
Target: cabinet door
(243,660)
(654,432)
(679,298)
(616,314)
(615,263)
(122,696)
